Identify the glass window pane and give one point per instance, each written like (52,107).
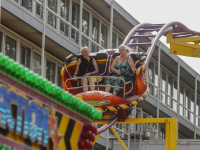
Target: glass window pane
(170,89)
(37,63)
(163,87)
(95,34)
(187,104)
(197,110)
(114,40)
(156,82)
(151,77)
(39,9)
(27,4)
(175,96)
(192,108)
(59,77)
(52,4)
(120,41)
(64,13)
(75,21)
(10,49)
(1,38)
(181,100)
(25,56)
(85,27)
(50,71)
(104,36)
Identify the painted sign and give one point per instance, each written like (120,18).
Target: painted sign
(29,118)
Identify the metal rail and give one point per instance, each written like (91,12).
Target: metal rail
(125,83)
(144,31)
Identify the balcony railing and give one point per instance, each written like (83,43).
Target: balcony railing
(172,104)
(56,22)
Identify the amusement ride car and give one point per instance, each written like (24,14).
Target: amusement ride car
(133,92)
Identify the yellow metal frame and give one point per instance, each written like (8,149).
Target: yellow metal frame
(170,130)
(188,46)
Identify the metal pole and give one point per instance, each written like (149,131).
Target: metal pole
(158,88)
(129,136)
(195,103)
(111,24)
(178,94)
(80,24)
(43,39)
(107,139)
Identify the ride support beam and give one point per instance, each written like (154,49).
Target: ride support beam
(170,130)
(188,46)
(120,140)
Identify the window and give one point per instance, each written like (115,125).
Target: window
(197,113)
(120,41)
(156,83)
(10,47)
(104,36)
(37,63)
(27,4)
(1,38)
(85,27)
(64,13)
(163,96)
(192,108)
(39,9)
(95,34)
(114,40)
(25,56)
(75,21)
(52,4)
(50,71)
(187,104)
(59,77)
(170,91)
(174,104)
(151,77)
(181,100)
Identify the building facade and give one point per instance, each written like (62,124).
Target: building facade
(40,34)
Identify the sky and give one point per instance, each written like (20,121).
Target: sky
(165,11)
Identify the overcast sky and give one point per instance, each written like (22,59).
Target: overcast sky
(164,11)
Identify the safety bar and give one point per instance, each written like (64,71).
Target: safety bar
(106,66)
(72,88)
(110,63)
(67,71)
(131,87)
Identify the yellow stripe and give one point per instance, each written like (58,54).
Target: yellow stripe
(10,135)
(134,103)
(75,135)
(100,109)
(62,129)
(71,64)
(36,146)
(141,98)
(112,108)
(20,139)
(124,106)
(15,137)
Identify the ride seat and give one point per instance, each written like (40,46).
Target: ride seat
(100,66)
